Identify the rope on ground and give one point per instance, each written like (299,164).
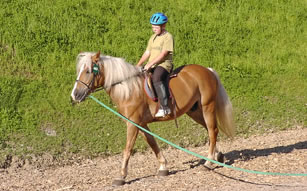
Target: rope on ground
(192,153)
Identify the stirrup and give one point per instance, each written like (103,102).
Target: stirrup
(162,112)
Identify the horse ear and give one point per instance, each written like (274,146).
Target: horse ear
(96,57)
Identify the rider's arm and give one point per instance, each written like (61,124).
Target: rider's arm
(144,58)
(157,60)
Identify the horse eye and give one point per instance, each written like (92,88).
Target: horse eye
(87,71)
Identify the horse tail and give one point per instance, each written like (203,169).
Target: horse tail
(224,112)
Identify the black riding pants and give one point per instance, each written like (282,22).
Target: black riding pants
(159,75)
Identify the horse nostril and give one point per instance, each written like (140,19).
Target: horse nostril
(79,96)
(76,94)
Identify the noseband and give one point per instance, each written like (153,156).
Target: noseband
(88,86)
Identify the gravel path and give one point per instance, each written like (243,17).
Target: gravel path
(284,152)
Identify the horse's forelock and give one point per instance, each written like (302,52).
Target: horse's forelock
(84,59)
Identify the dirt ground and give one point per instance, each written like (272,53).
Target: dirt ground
(284,152)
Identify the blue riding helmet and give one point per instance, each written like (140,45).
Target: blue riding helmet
(158,19)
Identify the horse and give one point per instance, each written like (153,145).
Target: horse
(197,90)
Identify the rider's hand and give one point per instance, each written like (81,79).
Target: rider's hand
(147,67)
(143,69)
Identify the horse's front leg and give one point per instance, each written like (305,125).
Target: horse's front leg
(163,171)
(132,132)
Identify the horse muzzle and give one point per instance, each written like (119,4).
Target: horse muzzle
(78,96)
(73,102)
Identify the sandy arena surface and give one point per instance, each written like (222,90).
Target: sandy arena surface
(284,152)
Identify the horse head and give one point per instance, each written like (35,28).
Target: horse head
(89,76)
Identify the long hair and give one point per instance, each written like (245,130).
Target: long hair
(224,109)
(121,78)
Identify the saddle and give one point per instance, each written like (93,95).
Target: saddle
(151,93)
(150,90)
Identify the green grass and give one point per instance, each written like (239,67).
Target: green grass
(259,49)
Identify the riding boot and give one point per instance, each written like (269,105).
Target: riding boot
(163,99)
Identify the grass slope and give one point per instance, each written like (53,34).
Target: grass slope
(259,48)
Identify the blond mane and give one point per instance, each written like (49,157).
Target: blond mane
(117,71)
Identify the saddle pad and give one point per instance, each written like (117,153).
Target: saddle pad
(148,89)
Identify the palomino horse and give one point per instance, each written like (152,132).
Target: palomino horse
(197,90)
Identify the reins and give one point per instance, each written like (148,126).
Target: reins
(116,83)
(88,86)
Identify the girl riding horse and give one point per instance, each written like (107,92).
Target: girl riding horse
(197,90)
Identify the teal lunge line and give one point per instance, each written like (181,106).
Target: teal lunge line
(192,153)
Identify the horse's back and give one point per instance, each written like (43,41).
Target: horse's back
(195,75)
(193,83)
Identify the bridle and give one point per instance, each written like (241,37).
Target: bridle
(96,72)
(88,86)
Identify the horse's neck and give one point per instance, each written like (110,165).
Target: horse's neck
(133,94)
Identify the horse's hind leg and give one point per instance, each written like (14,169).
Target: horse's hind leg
(211,123)
(199,115)
(163,171)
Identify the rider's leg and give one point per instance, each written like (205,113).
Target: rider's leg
(159,81)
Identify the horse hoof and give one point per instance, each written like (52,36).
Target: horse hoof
(208,167)
(163,173)
(220,157)
(118,182)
